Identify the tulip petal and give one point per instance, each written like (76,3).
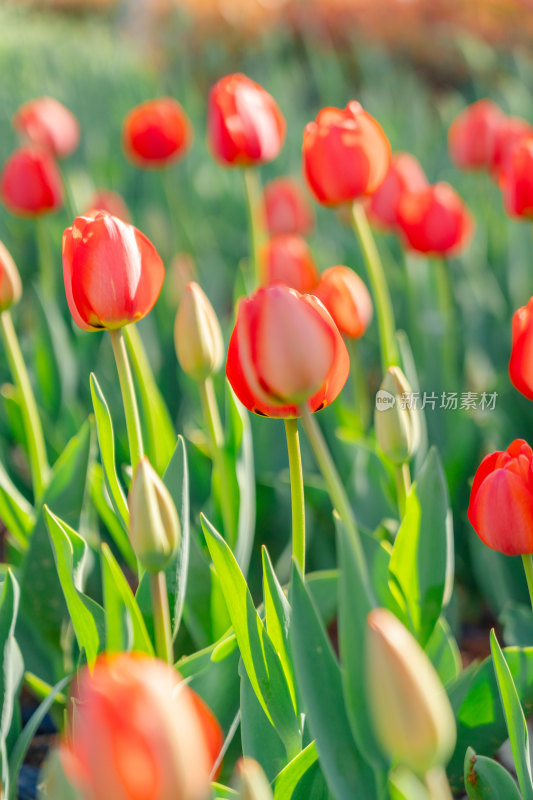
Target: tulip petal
(502,513)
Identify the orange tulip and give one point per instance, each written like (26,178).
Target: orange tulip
(521,364)
(10,285)
(287,209)
(472,135)
(113,274)
(30,183)
(156,133)
(287,259)
(346,298)
(46,122)
(405,175)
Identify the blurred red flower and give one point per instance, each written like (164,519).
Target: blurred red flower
(30,183)
(156,133)
(346,298)
(435,220)
(287,209)
(288,259)
(473,135)
(405,175)
(47,122)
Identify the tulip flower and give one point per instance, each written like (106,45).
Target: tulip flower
(109,202)
(287,209)
(252,783)
(137,731)
(156,133)
(473,133)
(10,284)
(48,123)
(113,274)
(501,500)
(405,175)
(287,258)
(435,220)
(197,335)
(397,426)
(30,182)
(520,365)
(510,131)
(244,126)
(346,154)
(516,179)
(285,352)
(154,524)
(346,298)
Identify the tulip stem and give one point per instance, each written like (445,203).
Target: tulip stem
(216,434)
(176,213)
(337,493)
(527,560)
(447,312)
(359,384)
(163,634)
(297,492)
(437,784)
(30,415)
(403,485)
(46,261)
(252,188)
(380,290)
(129,399)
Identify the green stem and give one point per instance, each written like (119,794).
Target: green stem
(527,560)
(41,689)
(47,267)
(403,484)
(380,290)
(437,784)
(163,634)
(70,205)
(30,416)
(255,218)
(297,492)
(129,399)
(336,492)
(360,387)
(176,214)
(446,308)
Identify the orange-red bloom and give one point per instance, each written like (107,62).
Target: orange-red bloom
(285,352)
(113,273)
(435,220)
(108,201)
(510,131)
(287,209)
(501,500)
(244,125)
(156,133)
(521,362)
(346,298)
(30,183)
(46,122)
(405,175)
(473,133)
(517,179)
(137,731)
(346,154)
(288,259)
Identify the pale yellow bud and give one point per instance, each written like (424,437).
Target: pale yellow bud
(197,335)
(154,523)
(412,715)
(397,423)
(10,285)
(252,783)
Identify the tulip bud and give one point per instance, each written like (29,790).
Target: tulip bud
(252,783)
(154,524)
(397,425)
(197,335)
(10,285)
(412,715)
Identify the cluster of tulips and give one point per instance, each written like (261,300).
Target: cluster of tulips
(373,720)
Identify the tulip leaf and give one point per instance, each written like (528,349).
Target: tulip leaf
(277,614)
(289,777)
(108,515)
(486,779)
(15,511)
(245,472)
(444,652)
(319,683)
(223,792)
(515,719)
(53,783)
(421,565)
(11,670)
(259,739)
(404,785)
(517,622)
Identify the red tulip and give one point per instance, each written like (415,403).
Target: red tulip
(501,500)
(435,220)
(521,362)
(109,202)
(473,133)
(245,125)
(10,285)
(46,122)
(287,209)
(156,133)
(346,298)
(288,259)
(30,183)
(137,731)
(510,131)
(285,351)
(346,154)
(113,274)
(405,175)
(517,179)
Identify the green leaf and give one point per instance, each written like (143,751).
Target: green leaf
(319,683)
(245,473)
(53,784)
(106,442)
(277,612)
(259,656)
(55,363)
(259,739)
(87,616)
(223,792)
(108,515)
(14,504)
(444,652)
(122,614)
(11,668)
(289,777)
(403,785)
(486,779)
(421,565)
(517,623)
(514,716)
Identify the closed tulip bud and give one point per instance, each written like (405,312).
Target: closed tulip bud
(516,180)
(405,175)
(244,124)
(285,351)
(197,335)
(346,298)
(136,731)
(501,500)
(346,154)
(287,209)
(397,425)
(520,364)
(156,133)
(287,259)
(154,523)
(472,135)
(46,122)
(252,783)
(30,183)
(412,715)
(435,221)
(10,285)
(510,131)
